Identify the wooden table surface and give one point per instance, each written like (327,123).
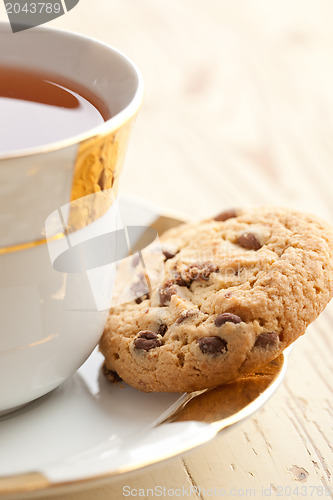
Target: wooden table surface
(238,111)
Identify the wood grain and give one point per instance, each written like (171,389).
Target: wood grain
(238,111)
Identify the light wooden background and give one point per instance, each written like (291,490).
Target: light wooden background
(238,111)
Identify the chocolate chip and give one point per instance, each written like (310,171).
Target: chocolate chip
(212,345)
(111,375)
(223,318)
(139,290)
(166,291)
(180,281)
(162,328)
(147,340)
(199,271)
(249,241)
(227,214)
(168,255)
(202,272)
(138,300)
(186,314)
(267,340)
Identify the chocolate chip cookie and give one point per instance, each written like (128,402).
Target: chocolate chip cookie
(238,289)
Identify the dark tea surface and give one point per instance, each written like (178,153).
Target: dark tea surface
(38,109)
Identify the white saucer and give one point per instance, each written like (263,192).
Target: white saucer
(89,429)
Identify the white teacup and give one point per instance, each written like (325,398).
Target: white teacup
(52,196)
